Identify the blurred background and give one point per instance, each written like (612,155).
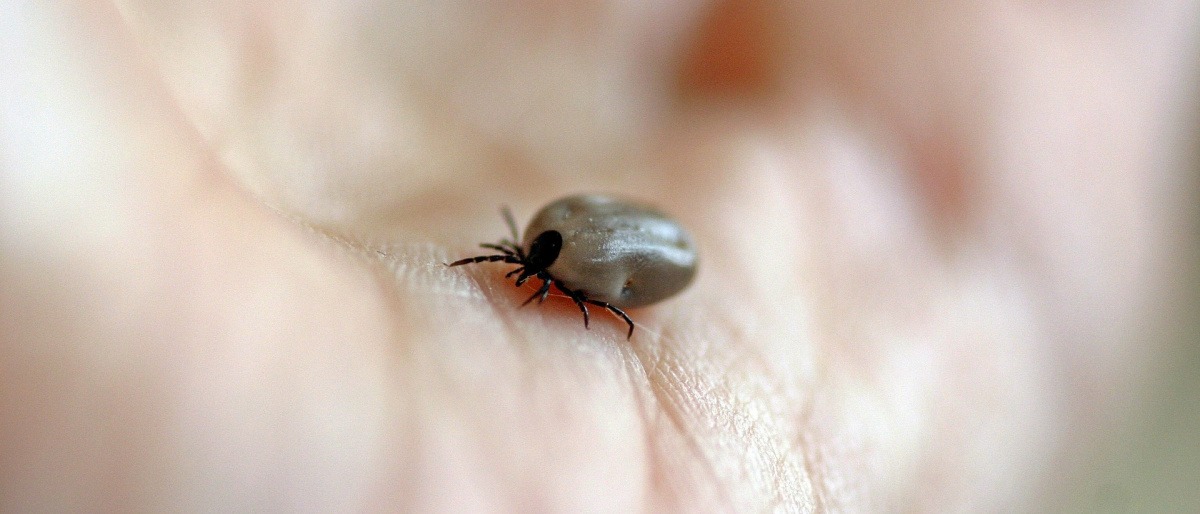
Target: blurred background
(1152,464)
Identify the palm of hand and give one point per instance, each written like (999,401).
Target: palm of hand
(884,317)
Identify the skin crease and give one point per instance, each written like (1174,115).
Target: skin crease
(932,234)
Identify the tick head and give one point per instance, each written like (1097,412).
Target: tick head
(543,251)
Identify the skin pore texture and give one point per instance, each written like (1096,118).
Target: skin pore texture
(934,240)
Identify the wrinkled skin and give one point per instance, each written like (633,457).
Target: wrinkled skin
(934,236)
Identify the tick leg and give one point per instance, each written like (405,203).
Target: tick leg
(514,272)
(578,299)
(516,248)
(525,275)
(513,246)
(512,225)
(582,300)
(542,292)
(546,281)
(485,258)
(616,311)
(499,248)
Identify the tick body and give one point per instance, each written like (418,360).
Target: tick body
(599,250)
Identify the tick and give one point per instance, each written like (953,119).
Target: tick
(598,250)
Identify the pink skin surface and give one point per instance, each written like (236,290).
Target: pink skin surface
(934,236)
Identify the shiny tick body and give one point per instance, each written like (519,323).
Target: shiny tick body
(599,250)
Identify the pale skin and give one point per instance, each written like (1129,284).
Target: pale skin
(930,237)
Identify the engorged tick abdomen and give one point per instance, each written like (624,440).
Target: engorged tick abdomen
(615,250)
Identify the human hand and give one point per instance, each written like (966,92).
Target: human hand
(928,236)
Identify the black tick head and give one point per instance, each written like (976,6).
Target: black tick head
(543,251)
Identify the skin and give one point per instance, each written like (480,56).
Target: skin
(935,238)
